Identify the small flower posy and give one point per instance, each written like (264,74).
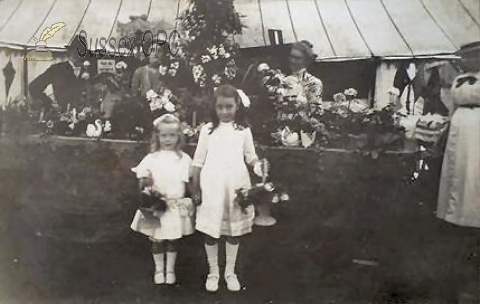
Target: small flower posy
(121,66)
(350,93)
(163,100)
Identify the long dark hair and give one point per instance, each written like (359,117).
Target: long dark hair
(229,91)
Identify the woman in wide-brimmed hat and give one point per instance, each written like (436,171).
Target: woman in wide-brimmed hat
(459,194)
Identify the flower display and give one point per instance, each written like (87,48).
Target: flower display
(163,100)
(85,76)
(261,193)
(350,93)
(121,66)
(209,46)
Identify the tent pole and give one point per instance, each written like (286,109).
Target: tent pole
(24,89)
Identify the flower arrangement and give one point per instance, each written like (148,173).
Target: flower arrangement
(214,66)
(350,93)
(272,81)
(163,100)
(209,47)
(298,121)
(261,193)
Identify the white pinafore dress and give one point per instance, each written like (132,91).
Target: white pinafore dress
(170,174)
(223,156)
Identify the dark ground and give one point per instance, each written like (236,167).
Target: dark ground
(308,257)
(317,268)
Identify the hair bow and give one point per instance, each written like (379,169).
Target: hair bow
(244,98)
(165,118)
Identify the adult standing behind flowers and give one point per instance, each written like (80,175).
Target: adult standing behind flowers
(304,83)
(147,77)
(68,80)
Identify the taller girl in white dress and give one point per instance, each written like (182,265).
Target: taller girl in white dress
(224,149)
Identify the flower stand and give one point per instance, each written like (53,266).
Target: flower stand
(263,216)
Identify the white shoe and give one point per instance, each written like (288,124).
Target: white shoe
(159,278)
(232,282)
(211,285)
(171,278)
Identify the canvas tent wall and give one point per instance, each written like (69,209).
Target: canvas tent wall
(338,29)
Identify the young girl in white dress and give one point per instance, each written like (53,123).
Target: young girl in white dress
(224,149)
(166,170)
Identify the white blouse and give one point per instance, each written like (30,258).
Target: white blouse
(228,143)
(169,172)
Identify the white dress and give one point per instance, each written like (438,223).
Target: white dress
(459,191)
(170,174)
(223,156)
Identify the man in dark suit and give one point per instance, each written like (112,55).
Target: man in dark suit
(67,80)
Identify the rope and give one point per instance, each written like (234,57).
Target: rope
(80,23)
(469,13)
(397,28)
(325,29)
(11,15)
(358,28)
(263,24)
(291,20)
(149,8)
(43,21)
(437,23)
(115,20)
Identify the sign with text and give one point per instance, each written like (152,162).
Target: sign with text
(106,66)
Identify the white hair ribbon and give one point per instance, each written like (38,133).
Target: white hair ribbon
(244,98)
(164,117)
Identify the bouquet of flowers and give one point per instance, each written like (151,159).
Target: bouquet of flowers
(165,99)
(151,202)
(262,192)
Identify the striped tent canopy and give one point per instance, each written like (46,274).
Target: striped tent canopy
(338,29)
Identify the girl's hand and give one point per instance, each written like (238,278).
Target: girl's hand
(197,196)
(196,190)
(260,168)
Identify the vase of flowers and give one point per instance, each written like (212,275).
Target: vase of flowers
(262,196)
(298,120)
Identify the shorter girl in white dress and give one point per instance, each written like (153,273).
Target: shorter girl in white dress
(224,150)
(166,171)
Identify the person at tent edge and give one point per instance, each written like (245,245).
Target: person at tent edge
(66,80)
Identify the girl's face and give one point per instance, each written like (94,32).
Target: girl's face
(226,107)
(168,136)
